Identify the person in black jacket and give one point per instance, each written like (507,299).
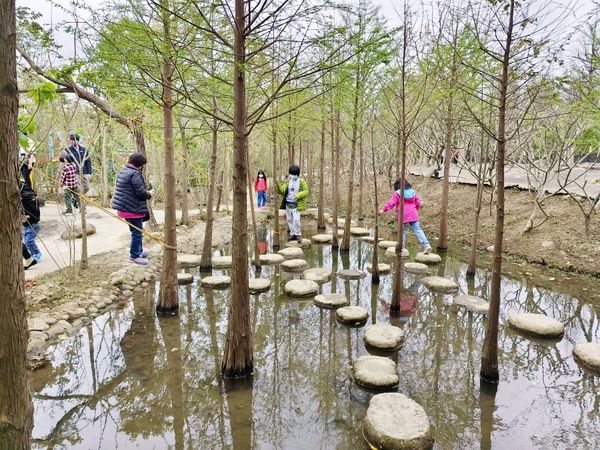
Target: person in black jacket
(30,218)
(131,202)
(82,161)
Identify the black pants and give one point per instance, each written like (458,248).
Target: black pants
(26,254)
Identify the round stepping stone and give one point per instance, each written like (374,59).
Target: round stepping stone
(390,253)
(271,259)
(395,421)
(387,244)
(588,354)
(428,258)
(383,337)
(294,265)
(258,285)
(221,262)
(358,231)
(185,278)
(330,301)
(352,315)
(351,274)
(301,288)
(322,238)
(440,284)
(375,372)
(216,282)
(318,275)
(472,303)
(185,260)
(416,268)
(537,325)
(296,244)
(383,268)
(291,252)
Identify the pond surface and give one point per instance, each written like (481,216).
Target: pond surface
(131,380)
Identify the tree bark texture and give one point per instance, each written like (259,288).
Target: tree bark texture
(335,159)
(321,205)
(275,200)
(443,240)
(185,214)
(375,259)
(206,261)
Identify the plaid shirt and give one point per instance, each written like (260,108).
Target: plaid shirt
(69,177)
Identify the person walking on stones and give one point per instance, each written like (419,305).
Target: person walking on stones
(82,161)
(131,202)
(294,191)
(30,217)
(261,187)
(412,203)
(69,181)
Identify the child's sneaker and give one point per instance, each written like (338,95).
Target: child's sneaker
(427,249)
(141,261)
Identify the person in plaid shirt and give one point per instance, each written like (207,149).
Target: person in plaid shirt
(69,180)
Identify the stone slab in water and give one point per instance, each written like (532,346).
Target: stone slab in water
(387,244)
(301,288)
(359,231)
(76,232)
(216,282)
(472,303)
(588,355)
(305,243)
(185,278)
(383,268)
(537,325)
(375,372)
(390,253)
(291,252)
(318,275)
(440,284)
(271,259)
(394,421)
(221,262)
(258,285)
(185,260)
(352,274)
(428,258)
(322,238)
(330,301)
(383,337)
(352,315)
(294,265)
(416,268)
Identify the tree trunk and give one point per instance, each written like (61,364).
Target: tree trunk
(185,215)
(16,411)
(82,211)
(275,200)
(361,175)
(489,357)
(375,260)
(335,159)
(206,261)
(219,192)
(168,302)
(443,240)
(321,205)
(104,170)
(475,239)
(254,227)
(237,357)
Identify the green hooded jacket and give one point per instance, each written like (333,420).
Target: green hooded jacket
(300,196)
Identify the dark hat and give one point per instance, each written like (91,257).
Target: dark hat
(294,170)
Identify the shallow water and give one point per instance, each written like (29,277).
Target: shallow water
(131,380)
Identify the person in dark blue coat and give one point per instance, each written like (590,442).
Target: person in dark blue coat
(131,202)
(82,160)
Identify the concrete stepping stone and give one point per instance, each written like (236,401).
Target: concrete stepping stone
(351,274)
(186,260)
(359,231)
(428,258)
(440,284)
(352,315)
(295,244)
(384,337)
(416,268)
(221,262)
(291,252)
(319,275)
(537,325)
(375,372)
(301,288)
(185,278)
(588,355)
(258,285)
(390,253)
(294,265)
(330,301)
(394,421)
(472,303)
(322,238)
(216,282)
(383,268)
(271,259)
(387,244)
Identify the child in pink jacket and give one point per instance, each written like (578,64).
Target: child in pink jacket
(412,203)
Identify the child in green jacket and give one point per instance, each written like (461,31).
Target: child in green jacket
(294,191)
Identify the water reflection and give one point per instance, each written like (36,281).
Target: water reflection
(129,379)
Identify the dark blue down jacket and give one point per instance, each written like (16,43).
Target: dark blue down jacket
(130,191)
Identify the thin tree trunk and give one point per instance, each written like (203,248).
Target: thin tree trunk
(219,192)
(361,175)
(275,201)
(104,169)
(443,240)
(375,260)
(237,357)
(321,205)
(83,265)
(16,411)
(254,227)
(206,261)
(168,302)
(185,215)
(335,159)
(475,239)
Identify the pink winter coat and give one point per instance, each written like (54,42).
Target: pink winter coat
(412,203)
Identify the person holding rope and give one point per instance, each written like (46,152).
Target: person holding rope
(131,202)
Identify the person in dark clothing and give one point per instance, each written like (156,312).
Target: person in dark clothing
(82,161)
(31,220)
(131,202)
(29,261)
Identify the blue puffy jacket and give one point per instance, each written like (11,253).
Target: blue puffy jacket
(130,191)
